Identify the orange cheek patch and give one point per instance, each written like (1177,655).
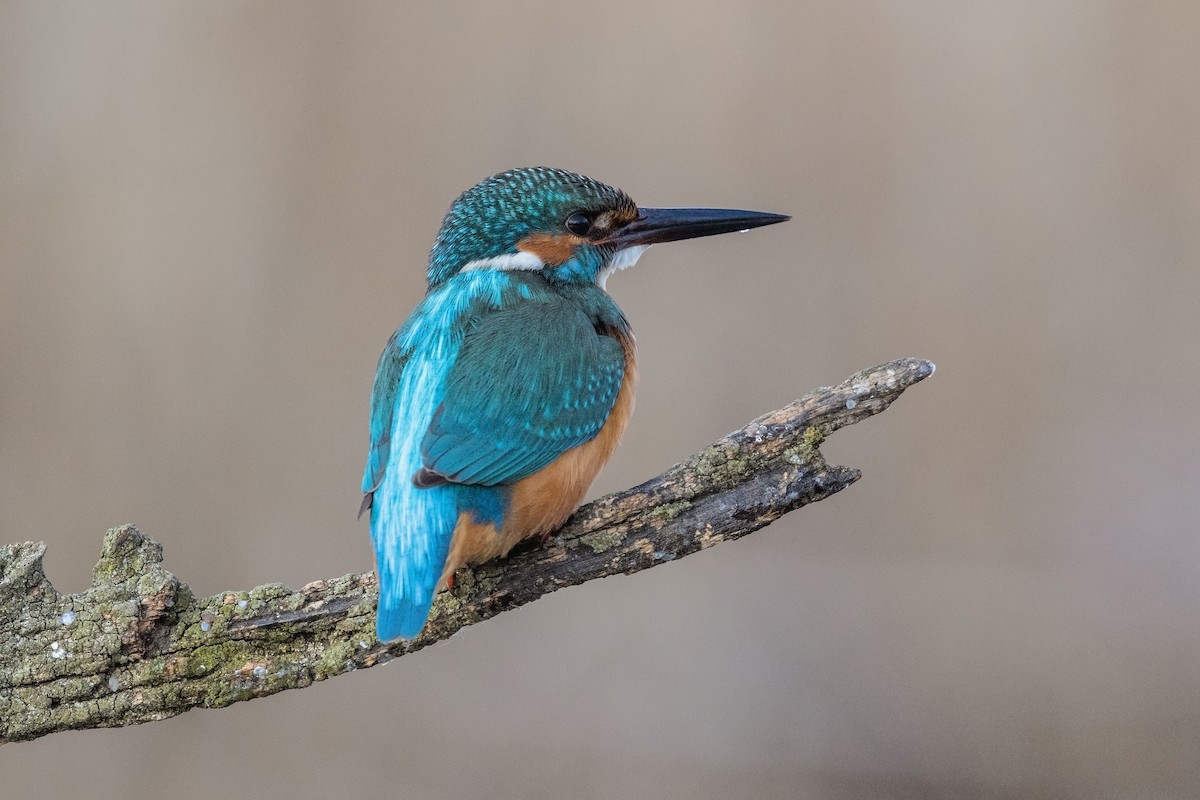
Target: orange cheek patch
(552,250)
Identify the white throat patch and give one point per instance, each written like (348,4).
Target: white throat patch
(624,258)
(519,260)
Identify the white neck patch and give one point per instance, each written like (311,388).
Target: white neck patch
(624,258)
(519,260)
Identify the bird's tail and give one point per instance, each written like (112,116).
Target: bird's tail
(404,621)
(411,530)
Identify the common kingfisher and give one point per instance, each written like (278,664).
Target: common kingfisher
(500,398)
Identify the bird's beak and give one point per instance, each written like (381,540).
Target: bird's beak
(655,225)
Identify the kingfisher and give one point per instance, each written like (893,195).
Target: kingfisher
(500,398)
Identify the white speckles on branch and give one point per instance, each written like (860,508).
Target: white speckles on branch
(67,618)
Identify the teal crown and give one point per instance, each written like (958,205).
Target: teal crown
(490,218)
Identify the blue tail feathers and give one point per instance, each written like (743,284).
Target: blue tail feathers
(412,529)
(402,622)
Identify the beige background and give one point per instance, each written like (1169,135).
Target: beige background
(212,216)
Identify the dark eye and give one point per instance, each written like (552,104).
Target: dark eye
(579,223)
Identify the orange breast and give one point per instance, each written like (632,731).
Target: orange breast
(542,501)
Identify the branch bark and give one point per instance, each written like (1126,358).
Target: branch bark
(138,646)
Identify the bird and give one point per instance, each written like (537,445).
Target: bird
(503,394)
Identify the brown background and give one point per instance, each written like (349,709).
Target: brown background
(213,215)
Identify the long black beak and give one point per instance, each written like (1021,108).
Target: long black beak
(655,225)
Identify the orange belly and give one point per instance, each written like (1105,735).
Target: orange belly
(541,502)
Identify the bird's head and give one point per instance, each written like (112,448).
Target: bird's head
(567,226)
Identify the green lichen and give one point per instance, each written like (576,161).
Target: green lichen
(813,438)
(669,511)
(126,554)
(458,608)
(602,541)
(807,453)
(207,659)
(336,659)
(721,466)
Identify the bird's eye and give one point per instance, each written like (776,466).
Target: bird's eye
(579,223)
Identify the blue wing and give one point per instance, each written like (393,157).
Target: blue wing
(530,382)
(383,410)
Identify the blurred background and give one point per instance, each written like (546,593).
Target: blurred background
(213,215)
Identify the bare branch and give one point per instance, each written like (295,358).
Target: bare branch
(138,646)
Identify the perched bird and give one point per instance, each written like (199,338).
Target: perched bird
(504,393)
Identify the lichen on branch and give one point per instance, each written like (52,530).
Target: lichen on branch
(138,646)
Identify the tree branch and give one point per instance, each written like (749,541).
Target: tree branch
(138,646)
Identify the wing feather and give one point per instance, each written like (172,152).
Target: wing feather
(383,411)
(531,382)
